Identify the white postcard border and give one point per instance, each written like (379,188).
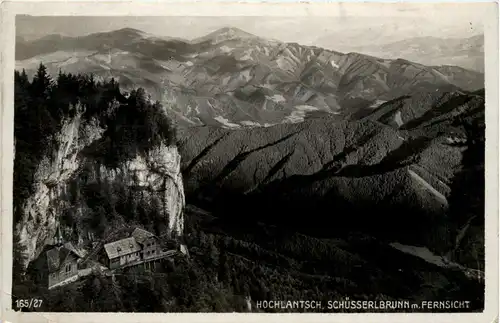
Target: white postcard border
(8,10)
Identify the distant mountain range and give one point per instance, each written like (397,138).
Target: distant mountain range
(234,79)
(464,52)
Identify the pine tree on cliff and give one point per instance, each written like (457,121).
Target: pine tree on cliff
(24,143)
(167,125)
(43,113)
(21,100)
(21,78)
(42,83)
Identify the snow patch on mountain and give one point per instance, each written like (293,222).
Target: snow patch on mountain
(277,98)
(284,63)
(72,60)
(121,52)
(246,57)
(306,108)
(225,49)
(299,113)
(226,80)
(226,122)
(249,123)
(246,75)
(398,119)
(377,103)
(335,65)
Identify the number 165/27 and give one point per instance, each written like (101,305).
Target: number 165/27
(29,303)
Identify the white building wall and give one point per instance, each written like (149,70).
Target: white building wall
(151,249)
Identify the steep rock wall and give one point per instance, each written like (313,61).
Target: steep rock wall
(157,172)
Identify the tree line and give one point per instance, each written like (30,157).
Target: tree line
(134,123)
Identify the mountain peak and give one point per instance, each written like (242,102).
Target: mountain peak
(233,31)
(128,30)
(225,33)
(121,35)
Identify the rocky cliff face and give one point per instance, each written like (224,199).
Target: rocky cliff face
(156,174)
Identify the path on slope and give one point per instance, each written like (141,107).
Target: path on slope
(441,261)
(429,187)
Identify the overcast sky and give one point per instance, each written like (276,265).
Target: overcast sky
(351,26)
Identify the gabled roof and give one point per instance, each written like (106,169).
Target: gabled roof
(70,247)
(141,235)
(121,247)
(58,256)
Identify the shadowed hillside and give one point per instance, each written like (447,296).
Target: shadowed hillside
(392,168)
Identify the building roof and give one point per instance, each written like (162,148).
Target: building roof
(141,235)
(69,246)
(121,247)
(58,255)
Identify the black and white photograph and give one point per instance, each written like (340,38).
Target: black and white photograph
(251,164)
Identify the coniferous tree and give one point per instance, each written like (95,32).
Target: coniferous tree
(42,83)
(224,270)
(468,196)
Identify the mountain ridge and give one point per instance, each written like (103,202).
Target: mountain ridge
(234,79)
(223,34)
(429,50)
(402,159)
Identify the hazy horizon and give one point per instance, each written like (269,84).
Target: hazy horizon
(337,33)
